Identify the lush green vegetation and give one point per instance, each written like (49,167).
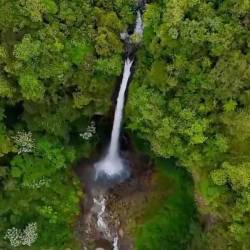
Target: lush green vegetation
(59,61)
(169,219)
(189,99)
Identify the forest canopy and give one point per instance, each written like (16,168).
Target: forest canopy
(59,61)
(188,100)
(191,87)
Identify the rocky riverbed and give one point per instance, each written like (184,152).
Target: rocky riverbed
(122,204)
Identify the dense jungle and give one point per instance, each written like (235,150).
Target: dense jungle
(186,126)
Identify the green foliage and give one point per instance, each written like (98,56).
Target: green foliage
(31,88)
(109,66)
(58,65)
(189,99)
(237,176)
(107,43)
(6,90)
(195,61)
(50,6)
(5,142)
(78,52)
(148,104)
(54,203)
(168,225)
(27,49)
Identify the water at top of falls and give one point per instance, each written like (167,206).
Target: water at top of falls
(138,30)
(139,24)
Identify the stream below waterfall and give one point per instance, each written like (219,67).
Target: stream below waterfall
(124,216)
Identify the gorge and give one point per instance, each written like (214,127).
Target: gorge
(113,139)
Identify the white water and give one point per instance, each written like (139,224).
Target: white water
(114,144)
(139,24)
(100,206)
(138,30)
(112,166)
(115,243)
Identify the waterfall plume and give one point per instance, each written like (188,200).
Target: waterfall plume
(113,166)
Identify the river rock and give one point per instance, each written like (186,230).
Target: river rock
(121,232)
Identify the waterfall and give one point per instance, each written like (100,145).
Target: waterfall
(114,144)
(115,243)
(139,24)
(112,166)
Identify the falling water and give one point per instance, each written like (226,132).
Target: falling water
(112,166)
(139,24)
(114,144)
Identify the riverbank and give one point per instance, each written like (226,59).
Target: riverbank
(153,209)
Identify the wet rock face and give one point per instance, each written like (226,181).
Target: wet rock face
(103,244)
(141,4)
